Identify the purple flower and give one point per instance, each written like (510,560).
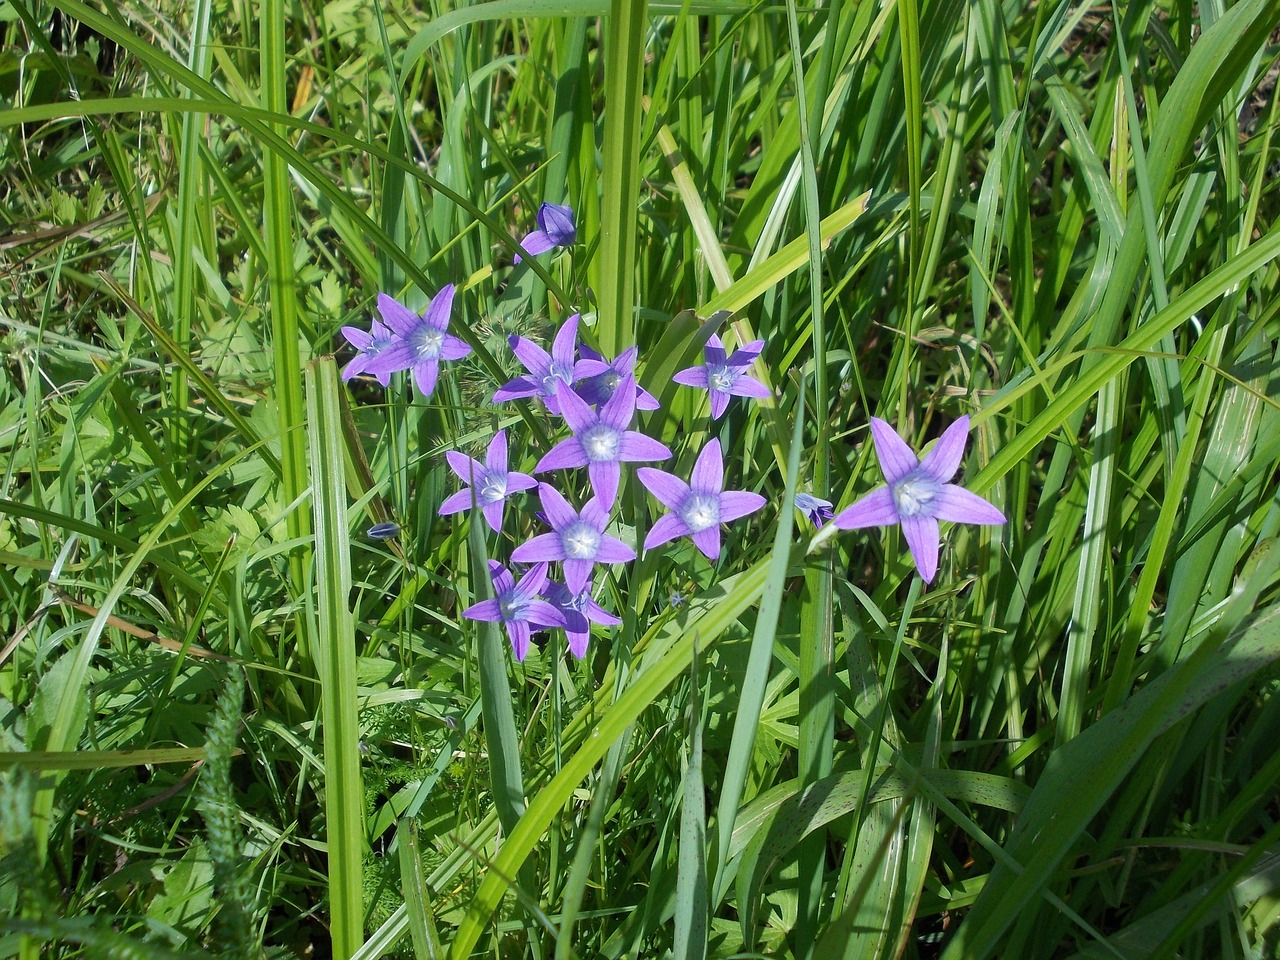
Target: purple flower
(420,342)
(601,441)
(725,376)
(491,482)
(818,511)
(555,229)
(369,344)
(600,378)
(919,494)
(697,507)
(517,605)
(580,611)
(579,540)
(548,372)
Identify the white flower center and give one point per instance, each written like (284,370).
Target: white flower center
(700,511)
(914,494)
(492,488)
(721,378)
(611,380)
(510,608)
(427,342)
(580,540)
(601,443)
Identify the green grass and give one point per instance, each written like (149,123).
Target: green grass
(231,724)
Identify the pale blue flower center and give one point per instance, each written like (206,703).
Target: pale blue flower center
(580,540)
(601,443)
(611,380)
(700,511)
(914,494)
(377,345)
(426,342)
(492,488)
(556,375)
(511,607)
(721,377)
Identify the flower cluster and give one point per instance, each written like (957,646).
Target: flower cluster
(597,399)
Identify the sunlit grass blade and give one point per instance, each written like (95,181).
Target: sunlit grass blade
(691,878)
(335,656)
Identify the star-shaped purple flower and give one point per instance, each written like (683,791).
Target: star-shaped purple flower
(580,611)
(598,378)
(919,494)
(555,229)
(699,506)
(818,511)
(725,376)
(491,482)
(421,342)
(369,344)
(517,605)
(548,372)
(601,441)
(579,540)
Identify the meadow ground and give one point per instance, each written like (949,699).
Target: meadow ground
(992,288)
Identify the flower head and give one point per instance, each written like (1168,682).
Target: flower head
(818,511)
(369,344)
(600,378)
(699,506)
(491,482)
(517,605)
(548,372)
(919,493)
(420,342)
(725,375)
(579,540)
(555,229)
(580,611)
(601,441)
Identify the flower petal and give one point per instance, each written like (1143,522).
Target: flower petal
(960,506)
(719,403)
(533,244)
(437,315)
(544,614)
(565,454)
(489,610)
(594,513)
(519,481)
(708,541)
(876,509)
(636,446)
(747,386)
(425,374)
(495,456)
(646,400)
(620,409)
(598,614)
(467,469)
(613,550)
(708,470)
(565,344)
(493,515)
(360,339)
(546,546)
(517,389)
(713,353)
(692,377)
(922,539)
(735,504)
(559,513)
(746,355)
(533,581)
(896,458)
(557,220)
(536,360)
(943,460)
(575,411)
(396,315)
(667,488)
(518,634)
(397,357)
(605,475)
(578,635)
(666,528)
(462,500)
(451,348)
(577,574)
